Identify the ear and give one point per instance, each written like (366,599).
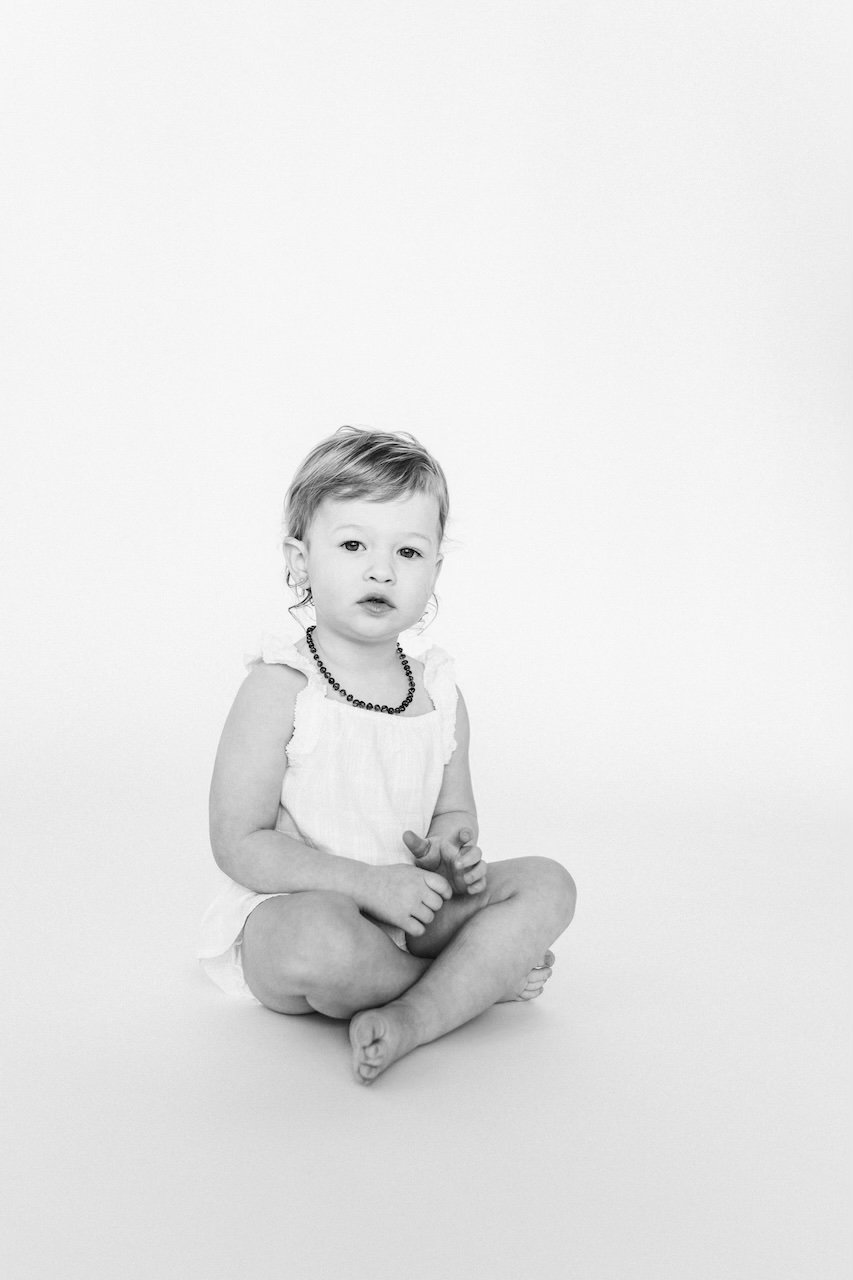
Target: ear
(295,553)
(439,562)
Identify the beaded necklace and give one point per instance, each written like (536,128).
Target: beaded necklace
(356,702)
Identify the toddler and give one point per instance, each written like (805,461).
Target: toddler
(342,814)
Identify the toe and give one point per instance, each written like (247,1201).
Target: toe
(368,1071)
(365,1030)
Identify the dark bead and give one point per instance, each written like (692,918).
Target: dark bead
(335,684)
(370,706)
(349,697)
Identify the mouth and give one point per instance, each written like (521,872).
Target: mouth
(376,604)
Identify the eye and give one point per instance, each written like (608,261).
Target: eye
(351,544)
(414,552)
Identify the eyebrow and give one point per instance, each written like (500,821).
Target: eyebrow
(360,528)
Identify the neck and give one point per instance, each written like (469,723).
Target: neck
(355,654)
(375,702)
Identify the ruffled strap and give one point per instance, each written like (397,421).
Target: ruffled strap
(275,649)
(440,684)
(308,710)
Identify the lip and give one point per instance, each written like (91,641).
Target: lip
(375,605)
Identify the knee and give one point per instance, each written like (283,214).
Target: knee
(318,939)
(324,933)
(555,887)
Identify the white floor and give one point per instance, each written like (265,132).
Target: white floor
(676,1106)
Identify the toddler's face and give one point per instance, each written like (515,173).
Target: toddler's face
(372,565)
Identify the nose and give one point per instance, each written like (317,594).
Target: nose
(381,570)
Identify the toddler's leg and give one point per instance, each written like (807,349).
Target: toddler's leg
(315,951)
(484,946)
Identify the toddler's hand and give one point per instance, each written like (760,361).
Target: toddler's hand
(407,897)
(454,856)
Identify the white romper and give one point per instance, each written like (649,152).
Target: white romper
(355,781)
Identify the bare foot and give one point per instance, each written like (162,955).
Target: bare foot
(534,984)
(378,1038)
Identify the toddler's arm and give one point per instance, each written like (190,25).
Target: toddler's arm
(244,804)
(450,846)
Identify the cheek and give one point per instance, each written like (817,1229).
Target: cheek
(326,573)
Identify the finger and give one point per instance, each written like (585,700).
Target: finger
(448,848)
(423,913)
(459,885)
(416,844)
(469,857)
(451,844)
(414,927)
(439,884)
(434,900)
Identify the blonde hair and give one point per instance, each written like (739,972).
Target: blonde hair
(358,463)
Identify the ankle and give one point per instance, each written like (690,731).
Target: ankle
(414,1019)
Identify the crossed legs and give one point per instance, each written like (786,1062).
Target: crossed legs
(315,951)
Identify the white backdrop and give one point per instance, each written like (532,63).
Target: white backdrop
(596,256)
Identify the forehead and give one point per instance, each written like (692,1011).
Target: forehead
(412,513)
